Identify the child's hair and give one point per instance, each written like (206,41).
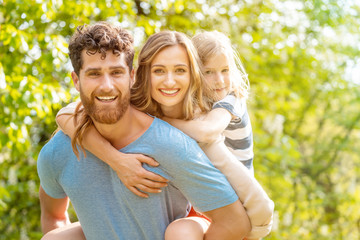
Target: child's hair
(140,92)
(211,44)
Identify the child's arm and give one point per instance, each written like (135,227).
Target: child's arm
(205,129)
(127,166)
(259,207)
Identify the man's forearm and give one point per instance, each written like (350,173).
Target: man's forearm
(49,223)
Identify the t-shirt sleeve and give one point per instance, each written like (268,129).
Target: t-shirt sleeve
(236,106)
(200,182)
(47,174)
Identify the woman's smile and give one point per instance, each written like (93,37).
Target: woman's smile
(169,92)
(170,78)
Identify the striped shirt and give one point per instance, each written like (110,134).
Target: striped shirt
(238,134)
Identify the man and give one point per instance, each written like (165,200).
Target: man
(105,207)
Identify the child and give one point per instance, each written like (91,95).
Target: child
(229,116)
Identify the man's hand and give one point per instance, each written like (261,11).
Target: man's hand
(137,179)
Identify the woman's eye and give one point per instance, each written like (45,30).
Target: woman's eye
(158,71)
(225,70)
(180,70)
(208,72)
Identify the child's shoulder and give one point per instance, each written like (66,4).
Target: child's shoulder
(235,105)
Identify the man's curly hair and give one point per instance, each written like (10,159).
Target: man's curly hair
(99,38)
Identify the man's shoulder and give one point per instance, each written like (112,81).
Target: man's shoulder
(170,132)
(59,143)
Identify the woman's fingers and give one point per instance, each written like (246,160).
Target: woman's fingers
(135,191)
(155,178)
(148,160)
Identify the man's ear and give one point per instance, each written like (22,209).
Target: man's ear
(132,77)
(76,81)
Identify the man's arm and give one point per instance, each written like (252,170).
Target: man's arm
(53,211)
(227,223)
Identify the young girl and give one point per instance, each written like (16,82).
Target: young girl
(146,97)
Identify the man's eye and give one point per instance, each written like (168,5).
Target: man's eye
(117,72)
(94,74)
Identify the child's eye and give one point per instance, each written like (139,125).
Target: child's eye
(225,70)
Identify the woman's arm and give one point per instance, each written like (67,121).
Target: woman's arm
(259,207)
(127,166)
(205,129)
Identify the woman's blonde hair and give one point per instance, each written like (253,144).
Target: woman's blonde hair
(213,43)
(141,90)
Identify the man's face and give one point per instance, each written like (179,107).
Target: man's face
(104,86)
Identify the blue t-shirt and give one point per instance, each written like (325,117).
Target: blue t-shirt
(108,210)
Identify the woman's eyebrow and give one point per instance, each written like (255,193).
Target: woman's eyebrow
(181,65)
(157,65)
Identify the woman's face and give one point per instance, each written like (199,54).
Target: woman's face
(170,79)
(216,73)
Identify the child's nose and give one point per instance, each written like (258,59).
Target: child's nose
(219,77)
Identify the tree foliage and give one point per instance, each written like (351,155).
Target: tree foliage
(302,58)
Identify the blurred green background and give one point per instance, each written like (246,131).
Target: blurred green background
(303,62)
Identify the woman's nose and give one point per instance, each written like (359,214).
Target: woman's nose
(169,81)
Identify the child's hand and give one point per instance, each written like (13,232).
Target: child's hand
(131,173)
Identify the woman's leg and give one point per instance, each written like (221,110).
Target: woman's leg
(70,232)
(189,228)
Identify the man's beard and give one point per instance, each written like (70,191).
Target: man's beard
(105,114)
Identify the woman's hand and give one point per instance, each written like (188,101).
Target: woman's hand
(137,179)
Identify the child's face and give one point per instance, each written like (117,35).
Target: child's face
(217,76)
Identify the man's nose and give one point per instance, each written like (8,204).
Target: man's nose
(107,83)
